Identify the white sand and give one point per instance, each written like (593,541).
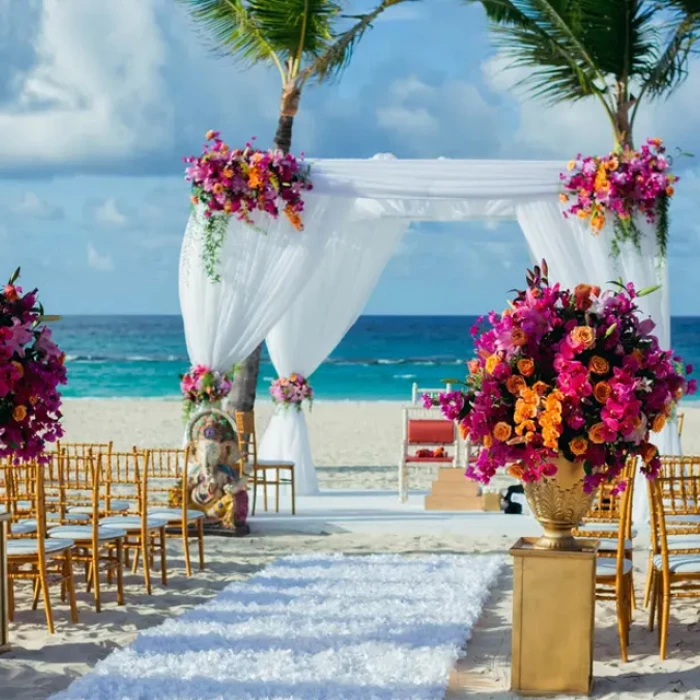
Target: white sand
(356,446)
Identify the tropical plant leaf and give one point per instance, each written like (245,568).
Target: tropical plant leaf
(15,276)
(648,290)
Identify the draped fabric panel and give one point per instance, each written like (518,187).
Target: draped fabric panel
(353,260)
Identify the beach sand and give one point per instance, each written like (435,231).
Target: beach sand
(356,445)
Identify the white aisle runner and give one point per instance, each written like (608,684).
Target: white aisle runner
(316,627)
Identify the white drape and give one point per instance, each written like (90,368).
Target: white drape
(262,271)
(353,259)
(575,255)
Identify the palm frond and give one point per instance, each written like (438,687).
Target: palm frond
(338,54)
(231,28)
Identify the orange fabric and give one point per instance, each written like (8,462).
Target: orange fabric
(431,432)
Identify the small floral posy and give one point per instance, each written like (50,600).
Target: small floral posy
(238,182)
(203,385)
(575,373)
(31,369)
(621,185)
(291,391)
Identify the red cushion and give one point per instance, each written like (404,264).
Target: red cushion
(431,432)
(434,460)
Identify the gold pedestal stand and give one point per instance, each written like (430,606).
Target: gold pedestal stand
(553,620)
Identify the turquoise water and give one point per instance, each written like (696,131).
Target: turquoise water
(379,358)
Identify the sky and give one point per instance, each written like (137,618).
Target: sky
(99,101)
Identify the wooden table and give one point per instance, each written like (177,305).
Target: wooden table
(4,637)
(553,620)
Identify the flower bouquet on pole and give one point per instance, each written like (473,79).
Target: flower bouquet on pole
(567,385)
(203,387)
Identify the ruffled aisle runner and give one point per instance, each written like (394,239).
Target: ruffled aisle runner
(319,627)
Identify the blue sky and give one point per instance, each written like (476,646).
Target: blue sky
(99,101)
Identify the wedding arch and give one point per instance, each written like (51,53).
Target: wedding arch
(302,291)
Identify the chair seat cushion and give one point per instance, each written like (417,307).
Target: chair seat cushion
(435,460)
(84,532)
(609,544)
(683,518)
(23,527)
(28,547)
(286,464)
(174,513)
(593,526)
(608,567)
(72,517)
(133,522)
(683,541)
(679,563)
(116,505)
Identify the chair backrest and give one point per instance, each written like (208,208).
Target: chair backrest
(625,514)
(417,392)
(165,468)
(82,449)
(679,480)
(607,506)
(247,440)
(430,432)
(125,477)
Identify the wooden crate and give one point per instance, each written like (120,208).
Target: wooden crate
(553,620)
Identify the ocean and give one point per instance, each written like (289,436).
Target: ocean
(379,358)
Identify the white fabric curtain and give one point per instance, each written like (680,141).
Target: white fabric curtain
(262,271)
(575,255)
(353,259)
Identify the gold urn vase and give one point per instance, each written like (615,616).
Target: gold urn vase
(559,503)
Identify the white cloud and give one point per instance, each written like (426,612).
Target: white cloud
(33,206)
(97,261)
(95,89)
(108,214)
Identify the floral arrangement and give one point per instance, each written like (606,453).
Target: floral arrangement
(621,185)
(571,373)
(237,182)
(31,368)
(292,391)
(202,385)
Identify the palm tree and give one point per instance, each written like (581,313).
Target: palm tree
(306,41)
(619,51)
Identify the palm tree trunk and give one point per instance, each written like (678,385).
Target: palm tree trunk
(245,382)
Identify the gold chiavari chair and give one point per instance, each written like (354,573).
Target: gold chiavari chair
(681,501)
(614,576)
(38,558)
(676,574)
(98,547)
(266,473)
(20,524)
(128,472)
(82,449)
(166,469)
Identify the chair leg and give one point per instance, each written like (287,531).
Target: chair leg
(95,565)
(186,547)
(163,564)
(665,615)
(135,563)
(294,498)
(622,626)
(145,545)
(264,489)
(11,599)
(401,484)
(255,490)
(120,573)
(653,598)
(70,586)
(43,582)
(200,542)
(37,592)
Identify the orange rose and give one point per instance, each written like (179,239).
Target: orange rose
(582,294)
(658,425)
(597,434)
(20,413)
(526,367)
(18,366)
(502,431)
(583,335)
(602,392)
(488,441)
(639,356)
(514,384)
(578,446)
(598,365)
(648,452)
(473,366)
(540,388)
(33,400)
(516,471)
(518,337)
